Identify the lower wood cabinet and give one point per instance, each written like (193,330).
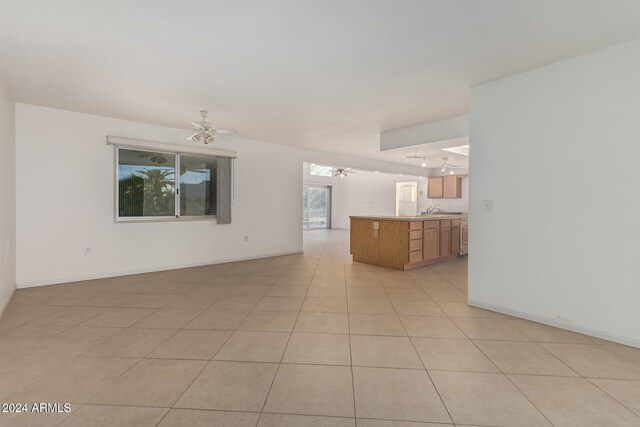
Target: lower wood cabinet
(430,244)
(404,245)
(445,241)
(455,239)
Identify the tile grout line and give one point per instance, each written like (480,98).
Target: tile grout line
(316,265)
(353,382)
(612,397)
(275,375)
(201,370)
(500,370)
(433,384)
(194,378)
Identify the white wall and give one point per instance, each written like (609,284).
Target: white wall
(7,198)
(368,193)
(65,193)
(554,149)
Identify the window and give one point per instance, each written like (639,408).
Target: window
(156,185)
(197,186)
(318,170)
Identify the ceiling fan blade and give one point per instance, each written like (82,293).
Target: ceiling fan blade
(226,131)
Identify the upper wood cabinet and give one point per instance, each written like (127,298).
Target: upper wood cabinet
(444,187)
(452,187)
(435,187)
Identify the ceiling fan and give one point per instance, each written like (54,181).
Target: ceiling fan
(445,162)
(160,159)
(205,131)
(446,165)
(342,172)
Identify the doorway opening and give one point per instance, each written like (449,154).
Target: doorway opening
(316,207)
(406,198)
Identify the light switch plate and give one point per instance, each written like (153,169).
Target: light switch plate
(488,205)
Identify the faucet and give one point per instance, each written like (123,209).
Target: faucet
(433,209)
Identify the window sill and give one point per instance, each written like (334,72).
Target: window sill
(165,219)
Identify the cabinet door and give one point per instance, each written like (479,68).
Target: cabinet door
(435,187)
(431,244)
(455,240)
(445,241)
(452,187)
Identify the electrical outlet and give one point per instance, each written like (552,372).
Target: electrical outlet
(246,238)
(488,205)
(87,250)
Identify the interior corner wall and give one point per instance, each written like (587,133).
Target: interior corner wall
(65,202)
(554,149)
(7,198)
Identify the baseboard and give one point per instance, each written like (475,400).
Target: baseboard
(551,322)
(13,292)
(147,270)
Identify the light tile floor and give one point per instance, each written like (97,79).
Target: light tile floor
(303,340)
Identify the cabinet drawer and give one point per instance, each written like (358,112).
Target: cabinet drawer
(415,245)
(415,225)
(431,224)
(415,256)
(445,223)
(456,222)
(415,234)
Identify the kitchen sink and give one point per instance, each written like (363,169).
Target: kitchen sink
(442,213)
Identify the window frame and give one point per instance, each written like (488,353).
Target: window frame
(177,216)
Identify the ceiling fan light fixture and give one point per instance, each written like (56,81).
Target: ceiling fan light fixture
(205,131)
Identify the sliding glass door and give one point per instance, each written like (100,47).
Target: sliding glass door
(316,206)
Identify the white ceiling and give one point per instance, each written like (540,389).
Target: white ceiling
(322,74)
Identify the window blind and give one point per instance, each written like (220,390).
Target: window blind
(223,196)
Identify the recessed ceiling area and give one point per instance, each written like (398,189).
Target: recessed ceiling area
(327,75)
(434,153)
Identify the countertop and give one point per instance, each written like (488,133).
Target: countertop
(411,218)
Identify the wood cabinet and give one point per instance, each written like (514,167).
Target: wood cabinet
(445,240)
(402,244)
(444,187)
(455,239)
(431,244)
(452,187)
(435,187)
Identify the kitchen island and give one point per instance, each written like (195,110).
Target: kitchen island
(407,242)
